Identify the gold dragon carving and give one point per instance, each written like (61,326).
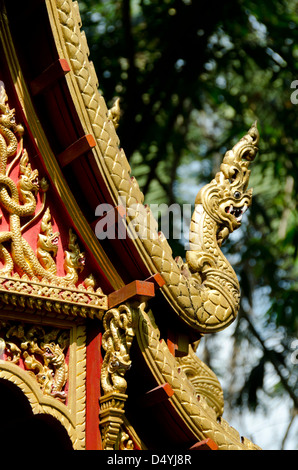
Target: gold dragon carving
(19,201)
(41,352)
(17,338)
(219,208)
(118,335)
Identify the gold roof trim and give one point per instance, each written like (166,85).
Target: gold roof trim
(22,292)
(183,281)
(201,417)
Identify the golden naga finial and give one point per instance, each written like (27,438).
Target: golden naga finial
(226,198)
(219,208)
(236,161)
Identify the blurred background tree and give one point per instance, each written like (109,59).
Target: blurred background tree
(192,77)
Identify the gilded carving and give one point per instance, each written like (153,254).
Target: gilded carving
(125,442)
(218,212)
(39,351)
(43,296)
(201,418)
(114,113)
(47,244)
(204,381)
(111,418)
(26,278)
(116,341)
(19,200)
(205,291)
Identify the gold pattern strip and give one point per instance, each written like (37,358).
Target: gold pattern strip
(41,295)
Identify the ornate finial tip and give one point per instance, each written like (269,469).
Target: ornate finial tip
(114,113)
(254,133)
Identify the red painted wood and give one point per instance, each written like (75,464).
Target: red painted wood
(75,150)
(50,76)
(207,444)
(141,290)
(157,395)
(157,279)
(94,362)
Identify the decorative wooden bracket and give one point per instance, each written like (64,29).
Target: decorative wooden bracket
(157,280)
(75,150)
(157,395)
(50,76)
(178,343)
(136,290)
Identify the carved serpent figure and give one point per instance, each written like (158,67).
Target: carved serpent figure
(218,212)
(116,341)
(47,243)
(54,356)
(41,352)
(19,200)
(8,129)
(194,290)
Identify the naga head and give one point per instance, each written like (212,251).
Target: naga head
(29,180)
(227,198)
(52,352)
(48,240)
(74,259)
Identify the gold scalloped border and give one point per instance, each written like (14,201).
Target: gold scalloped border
(182,294)
(200,418)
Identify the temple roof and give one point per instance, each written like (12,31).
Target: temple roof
(71,132)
